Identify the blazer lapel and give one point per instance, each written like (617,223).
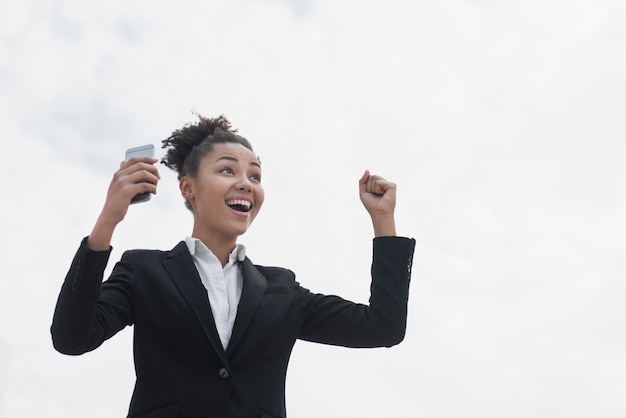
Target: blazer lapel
(251,294)
(183,273)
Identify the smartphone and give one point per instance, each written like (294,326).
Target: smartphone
(142,151)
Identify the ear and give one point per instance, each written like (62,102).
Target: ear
(185,188)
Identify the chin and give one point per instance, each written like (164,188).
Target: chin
(239,231)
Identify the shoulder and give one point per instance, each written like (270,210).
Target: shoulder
(274,277)
(279,280)
(137,264)
(279,274)
(155,254)
(141,253)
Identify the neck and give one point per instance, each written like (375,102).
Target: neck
(218,245)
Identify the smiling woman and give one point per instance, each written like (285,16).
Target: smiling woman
(213,332)
(220,179)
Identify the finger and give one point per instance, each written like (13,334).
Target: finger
(143,176)
(141,166)
(363,182)
(142,187)
(374,185)
(133,186)
(381,186)
(138,160)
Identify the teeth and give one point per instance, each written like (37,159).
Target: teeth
(244,203)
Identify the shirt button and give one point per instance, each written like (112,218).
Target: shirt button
(223,373)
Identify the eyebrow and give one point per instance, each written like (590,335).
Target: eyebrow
(229,158)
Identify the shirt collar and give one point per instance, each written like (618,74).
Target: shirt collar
(197,248)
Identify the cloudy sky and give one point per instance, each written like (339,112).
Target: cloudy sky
(501,122)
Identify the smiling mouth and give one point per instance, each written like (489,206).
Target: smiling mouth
(239,205)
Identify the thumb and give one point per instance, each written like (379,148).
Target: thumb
(363,182)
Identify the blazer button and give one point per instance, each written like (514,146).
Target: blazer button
(223,373)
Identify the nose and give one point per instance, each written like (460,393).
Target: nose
(244,184)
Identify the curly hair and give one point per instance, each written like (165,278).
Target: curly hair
(186,147)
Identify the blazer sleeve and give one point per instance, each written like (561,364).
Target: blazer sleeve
(333,320)
(89,312)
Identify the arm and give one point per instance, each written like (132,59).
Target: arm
(82,319)
(85,316)
(333,320)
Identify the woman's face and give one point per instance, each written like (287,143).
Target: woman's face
(226,193)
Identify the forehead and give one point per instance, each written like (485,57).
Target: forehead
(233,150)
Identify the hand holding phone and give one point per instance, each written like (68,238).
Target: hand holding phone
(141,151)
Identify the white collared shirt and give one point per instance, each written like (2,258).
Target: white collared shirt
(223,285)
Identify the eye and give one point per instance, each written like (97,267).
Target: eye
(227,170)
(255,175)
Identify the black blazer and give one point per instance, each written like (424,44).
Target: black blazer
(181,368)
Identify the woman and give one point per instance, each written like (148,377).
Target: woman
(213,332)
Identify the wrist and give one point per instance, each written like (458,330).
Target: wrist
(384,226)
(100,237)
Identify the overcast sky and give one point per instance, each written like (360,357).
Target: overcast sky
(502,124)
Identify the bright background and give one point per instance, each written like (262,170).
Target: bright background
(501,122)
